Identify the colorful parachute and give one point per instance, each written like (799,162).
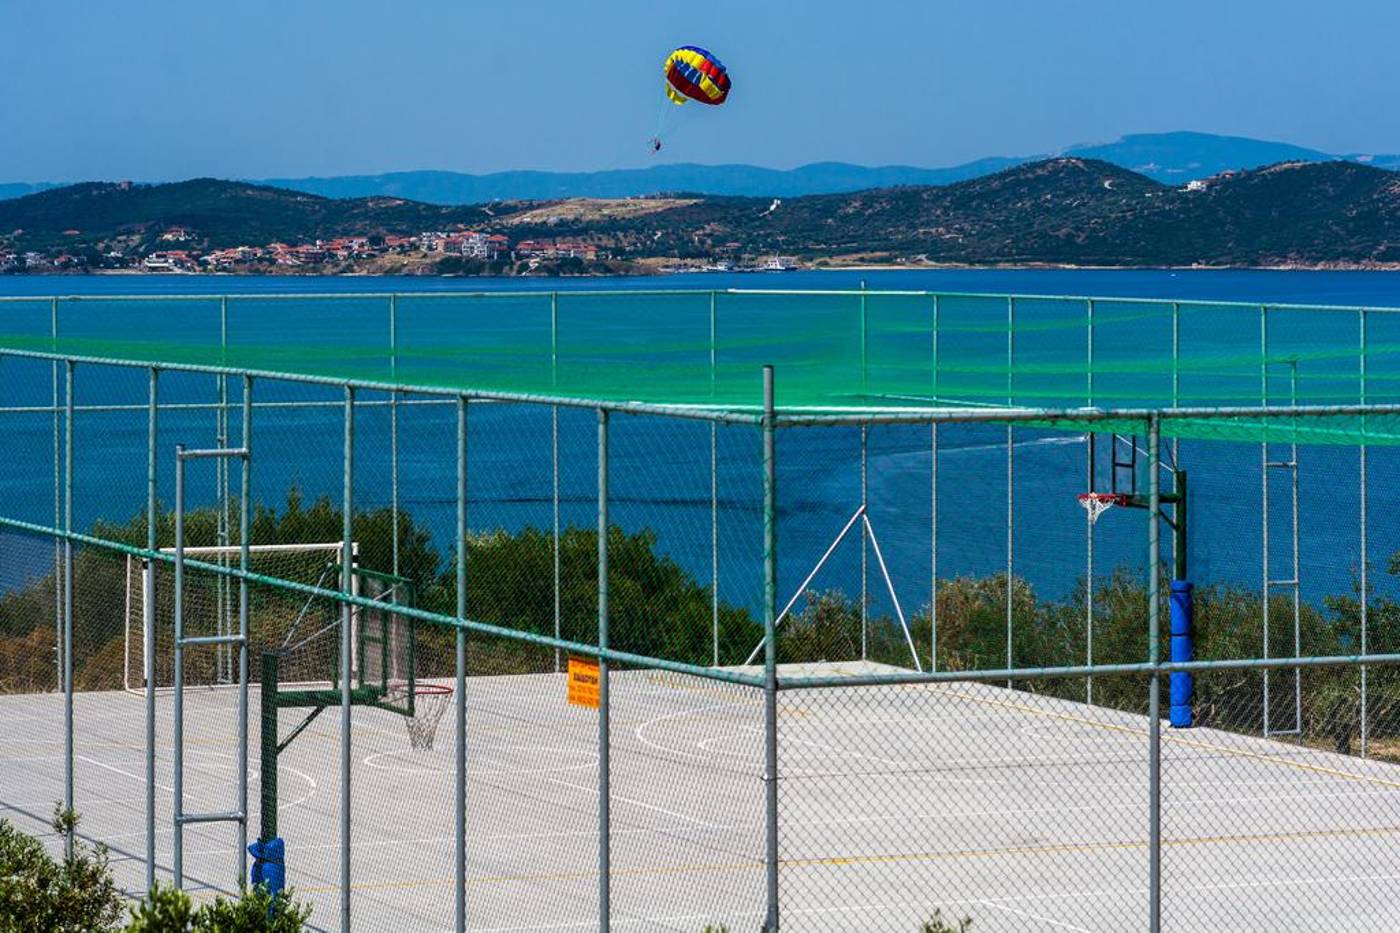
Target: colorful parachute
(692,72)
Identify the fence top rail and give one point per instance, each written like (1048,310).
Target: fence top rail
(910,678)
(787,417)
(791,417)
(537,293)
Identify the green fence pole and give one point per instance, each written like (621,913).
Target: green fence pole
(267,824)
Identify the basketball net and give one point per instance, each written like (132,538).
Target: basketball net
(1097,503)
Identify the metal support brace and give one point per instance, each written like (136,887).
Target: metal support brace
(240,815)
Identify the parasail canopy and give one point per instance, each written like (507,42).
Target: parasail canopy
(693,73)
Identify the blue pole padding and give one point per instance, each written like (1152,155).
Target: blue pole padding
(1183,648)
(268,868)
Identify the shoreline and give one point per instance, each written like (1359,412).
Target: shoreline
(854,267)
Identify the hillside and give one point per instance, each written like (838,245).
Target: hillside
(1057,211)
(1074,211)
(221,213)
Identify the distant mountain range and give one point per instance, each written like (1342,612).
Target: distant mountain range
(1172,158)
(1057,211)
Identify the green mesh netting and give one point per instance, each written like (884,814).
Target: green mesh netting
(848,352)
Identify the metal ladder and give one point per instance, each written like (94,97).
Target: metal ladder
(223,640)
(1280,460)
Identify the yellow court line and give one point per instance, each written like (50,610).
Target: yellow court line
(1067,848)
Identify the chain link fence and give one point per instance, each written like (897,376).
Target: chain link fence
(890,677)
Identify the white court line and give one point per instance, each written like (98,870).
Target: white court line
(983,762)
(639,803)
(138,778)
(637,732)
(1030,916)
(373,761)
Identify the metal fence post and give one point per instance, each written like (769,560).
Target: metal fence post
(864,541)
(347,558)
(148,625)
(1010,486)
(245,494)
(178,728)
(68,603)
(554,538)
(57,504)
(1363,545)
(604,763)
(1089,454)
(394,428)
(554,468)
(770,651)
(714,542)
(933,507)
(714,491)
(1154,717)
(221,495)
(460,773)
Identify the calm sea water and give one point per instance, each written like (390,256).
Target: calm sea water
(661,471)
(1304,287)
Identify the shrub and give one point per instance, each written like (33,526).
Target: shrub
(170,910)
(40,893)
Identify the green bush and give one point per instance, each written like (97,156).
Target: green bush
(170,910)
(38,892)
(77,895)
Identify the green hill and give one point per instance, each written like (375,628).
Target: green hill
(1061,211)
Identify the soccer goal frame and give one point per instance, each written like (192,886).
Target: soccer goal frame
(140,584)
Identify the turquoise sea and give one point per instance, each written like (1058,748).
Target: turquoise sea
(661,471)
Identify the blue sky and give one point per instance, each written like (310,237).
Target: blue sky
(158,90)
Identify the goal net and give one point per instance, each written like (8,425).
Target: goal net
(304,627)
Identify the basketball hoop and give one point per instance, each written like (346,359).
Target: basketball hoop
(430,701)
(1097,503)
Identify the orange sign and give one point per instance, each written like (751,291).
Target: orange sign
(583,682)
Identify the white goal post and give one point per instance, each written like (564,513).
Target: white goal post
(211,603)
